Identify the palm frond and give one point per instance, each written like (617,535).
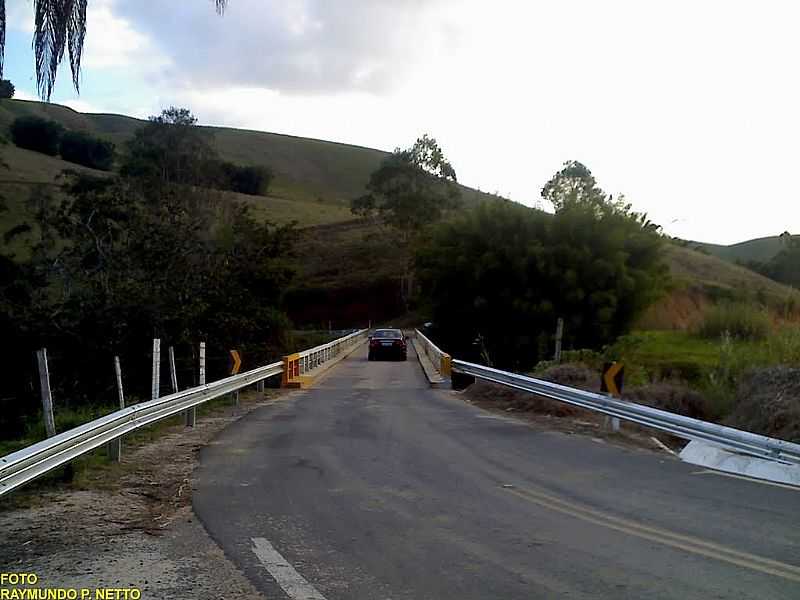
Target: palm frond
(59,28)
(2,33)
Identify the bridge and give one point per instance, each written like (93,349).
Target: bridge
(367,482)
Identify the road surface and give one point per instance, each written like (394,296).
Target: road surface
(373,486)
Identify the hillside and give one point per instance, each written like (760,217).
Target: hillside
(305,169)
(343,263)
(759,249)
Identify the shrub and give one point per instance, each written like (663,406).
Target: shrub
(245,180)
(740,321)
(87,150)
(672,397)
(37,134)
(6,89)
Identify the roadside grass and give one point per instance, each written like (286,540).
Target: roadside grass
(714,367)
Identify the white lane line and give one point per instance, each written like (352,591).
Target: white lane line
(295,586)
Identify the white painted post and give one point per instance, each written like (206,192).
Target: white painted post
(47,397)
(114,447)
(202,363)
(172,374)
(559,335)
(156,379)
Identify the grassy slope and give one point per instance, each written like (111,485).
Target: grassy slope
(760,249)
(314,181)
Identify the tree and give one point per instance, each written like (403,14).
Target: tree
(59,29)
(37,134)
(6,89)
(87,150)
(170,150)
(574,183)
(411,189)
(503,273)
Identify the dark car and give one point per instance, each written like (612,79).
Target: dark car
(387,343)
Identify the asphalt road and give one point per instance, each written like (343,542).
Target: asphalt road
(371,486)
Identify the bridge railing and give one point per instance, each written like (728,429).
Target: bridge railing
(296,365)
(680,426)
(440,360)
(27,464)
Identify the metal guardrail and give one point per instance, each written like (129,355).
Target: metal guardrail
(27,464)
(683,427)
(441,360)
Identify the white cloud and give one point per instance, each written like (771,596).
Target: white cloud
(111,42)
(688,108)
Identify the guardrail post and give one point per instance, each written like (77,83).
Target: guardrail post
(47,397)
(114,447)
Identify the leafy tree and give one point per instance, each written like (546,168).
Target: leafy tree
(59,29)
(87,150)
(503,273)
(37,134)
(6,89)
(170,150)
(411,189)
(573,184)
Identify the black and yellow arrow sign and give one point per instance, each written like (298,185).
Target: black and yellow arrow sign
(613,374)
(236,361)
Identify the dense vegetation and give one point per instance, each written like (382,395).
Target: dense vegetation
(89,151)
(37,134)
(116,261)
(503,274)
(784,267)
(6,89)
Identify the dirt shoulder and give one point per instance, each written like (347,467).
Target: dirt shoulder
(129,525)
(558,416)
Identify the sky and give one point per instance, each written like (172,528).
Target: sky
(689,109)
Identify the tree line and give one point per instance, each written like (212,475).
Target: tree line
(109,262)
(495,278)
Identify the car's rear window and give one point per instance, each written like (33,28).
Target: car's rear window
(387,333)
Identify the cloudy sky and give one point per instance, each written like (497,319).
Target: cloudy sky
(690,109)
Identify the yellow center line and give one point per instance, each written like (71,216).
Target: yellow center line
(661,536)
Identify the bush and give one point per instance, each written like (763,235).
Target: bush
(6,89)
(37,134)
(87,150)
(672,397)
(245,180)
(740,321)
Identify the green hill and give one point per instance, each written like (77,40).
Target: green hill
(759,249)
(305,169)
(344,263)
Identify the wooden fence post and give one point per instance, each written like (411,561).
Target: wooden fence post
(115,446)
(191,413)
(156,388)
(173,376)
(559,335)
(47,398)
